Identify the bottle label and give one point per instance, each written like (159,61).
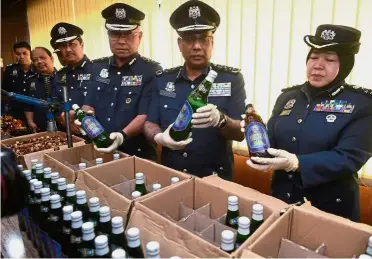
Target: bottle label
(54,218)
(56,249)
(91,126)
(233,221)
(66,230)
(183,118)
(87,252)
(45,244)
(75,239)
(257,138)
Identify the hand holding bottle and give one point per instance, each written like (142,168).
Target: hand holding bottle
(165,140)
(78,123)
(117,140)
(206,117)
(282,160)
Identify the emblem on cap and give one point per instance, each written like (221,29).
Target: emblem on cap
(120,13)
(62,30)
(328,35)
(194,12)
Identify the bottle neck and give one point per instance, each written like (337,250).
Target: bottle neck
(104,219)
(243,231)
(102,251)
(232,207)
(88,236)
(118,230)
(257,217)
(140,181)
(227,246)
(76,224)
(134,243)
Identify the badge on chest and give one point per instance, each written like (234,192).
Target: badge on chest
(169,91)
(131,80)
(83,77)
(220,89)
(334,106)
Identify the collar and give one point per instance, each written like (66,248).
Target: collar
(81,63)
(182,73)
(39,76)
(331,91)
(129,62)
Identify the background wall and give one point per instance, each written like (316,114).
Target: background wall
(262,37)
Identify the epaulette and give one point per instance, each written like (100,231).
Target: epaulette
(291,88)
(168,70)
(100,59)
(32,75)
(63,69)
(11,65)
(222,68)
(359,89)
(148,60)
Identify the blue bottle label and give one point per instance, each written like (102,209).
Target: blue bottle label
(233,221)
(45,244)
(257,138)
(183,118)
(56,249)
(91,126)
(26,219)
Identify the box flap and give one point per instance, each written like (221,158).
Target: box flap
(289,249)
(60,168)
(249,254)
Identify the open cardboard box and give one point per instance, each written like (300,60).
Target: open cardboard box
(25,160)
(72,157)
(310,228)
(57,166)
(167,211)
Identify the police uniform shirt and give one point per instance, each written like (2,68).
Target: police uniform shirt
(36,89)
(119,94)
(209,151)
(77,81)
(331,135)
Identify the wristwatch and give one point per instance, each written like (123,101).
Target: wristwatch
(125,136)
(223,121)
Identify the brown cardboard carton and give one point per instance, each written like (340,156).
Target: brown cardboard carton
(196,194)
(57,166)
(311,228)
(26,159)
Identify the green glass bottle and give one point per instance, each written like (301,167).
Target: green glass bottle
(71,195)
(82,205)
(104,225)
(257,217)
(134,243)
(102,247)
(87,247)
(54,184)
(66,230)
(243,231)
(196,99)
(33,168)
(93,128)
(232,214)
(34,201)
(94,211)
(140,183)
(62,190)
(76,234)
(23,214)
(44,226)
(55,221)
(47,178)
(117,237)
(227,241)
(39,172)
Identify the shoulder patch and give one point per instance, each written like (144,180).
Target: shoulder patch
(222,68)
(168,70)
(291,88)
(148,60)
(359,89)
(97,60)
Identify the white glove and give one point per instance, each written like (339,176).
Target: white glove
(165,140)
(242,123)
(282,160)
(206,116)
(118,140)
(78,123)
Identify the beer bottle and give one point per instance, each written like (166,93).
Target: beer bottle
(135,195)
(104,225)
(369,248)
(81,204)
(20,167)
(119,253)
(39,172)
(43,221)
(232,214)
(23,214)
(55,221)
(31,208)
(227,241)
(257,217)
(117,237)
(54,184)
(27,211)
(94,211)
(99,161)
(87,247)
(62,190)
(35,211)
(175,180)
(153,249)
(243,231)
(115,156)
(71,195)
(197,98)
(156,187)
(140,183)
(256,133)
(76,234)
(134,243)
(82,166)
(93,128)
(47,180)
(66,230)
(33,168)
(102,247)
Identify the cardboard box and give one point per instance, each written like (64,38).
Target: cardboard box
(311,228)
(57,166)
(201,198)
(25,160)
(72,157)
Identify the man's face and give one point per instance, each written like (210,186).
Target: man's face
(196,48)
(72,52)
(22,56)
(42,61)
(125,44)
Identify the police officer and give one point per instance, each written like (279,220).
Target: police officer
(57,52)
(320,131)
(38,87)
(120,91)
(216,125)
(77,73)
(15,77)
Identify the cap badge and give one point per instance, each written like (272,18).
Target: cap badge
(328,35)
(120,13)
(194,12)
(62,30)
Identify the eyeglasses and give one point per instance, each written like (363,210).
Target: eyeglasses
(115,36)
(203,40)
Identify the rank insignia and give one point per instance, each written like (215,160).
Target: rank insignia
(83,77)
(290,104)
(131,80)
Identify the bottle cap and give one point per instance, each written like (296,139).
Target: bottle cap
(101,241)
(39,166)
(80,194)
(370,241)
(94,201)
(76,216)
(104,211)
(175,180)
(99,160)
(54,175)
(257,208)
(133,234)
(136,194)
(244,222)
(156,186)
(232,200)
(117,222)
(75,107)
(118,253)
(70,187)
(67,209)
(139,176)
(27,174)
(152,248)
(212,73)
(116,156)
(47,170)
(88,227)
(20,167)
(38,185)
(227,236)
(82,166)
(34,161)
(61,183)
(55,198)
(45,191)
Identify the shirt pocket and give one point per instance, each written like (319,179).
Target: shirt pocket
(169,110)
(103,94)
(128,100)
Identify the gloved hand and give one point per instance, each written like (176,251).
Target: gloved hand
(165,140)
(117,139)
(206,116)
(242,123)
(78,123)
(282,160)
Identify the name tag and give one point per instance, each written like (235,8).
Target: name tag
(220,89)
(131,80)
(102,80)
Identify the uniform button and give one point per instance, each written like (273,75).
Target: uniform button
(307,106)
(192,86)
(139,150)
(338,200)
(85,87)
(118,73)
(184,155)
(299,121)
(288,195)
(185,170)
(115,89)
(294,139)
(165,106)
(221,168)
(24,90)
(73,75)
(72,87)
(70,99)
(130,93)
(24,82)
(112,104)
(108,119)
(98,88)
(290,176)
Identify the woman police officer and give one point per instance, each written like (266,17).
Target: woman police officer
(320,131)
